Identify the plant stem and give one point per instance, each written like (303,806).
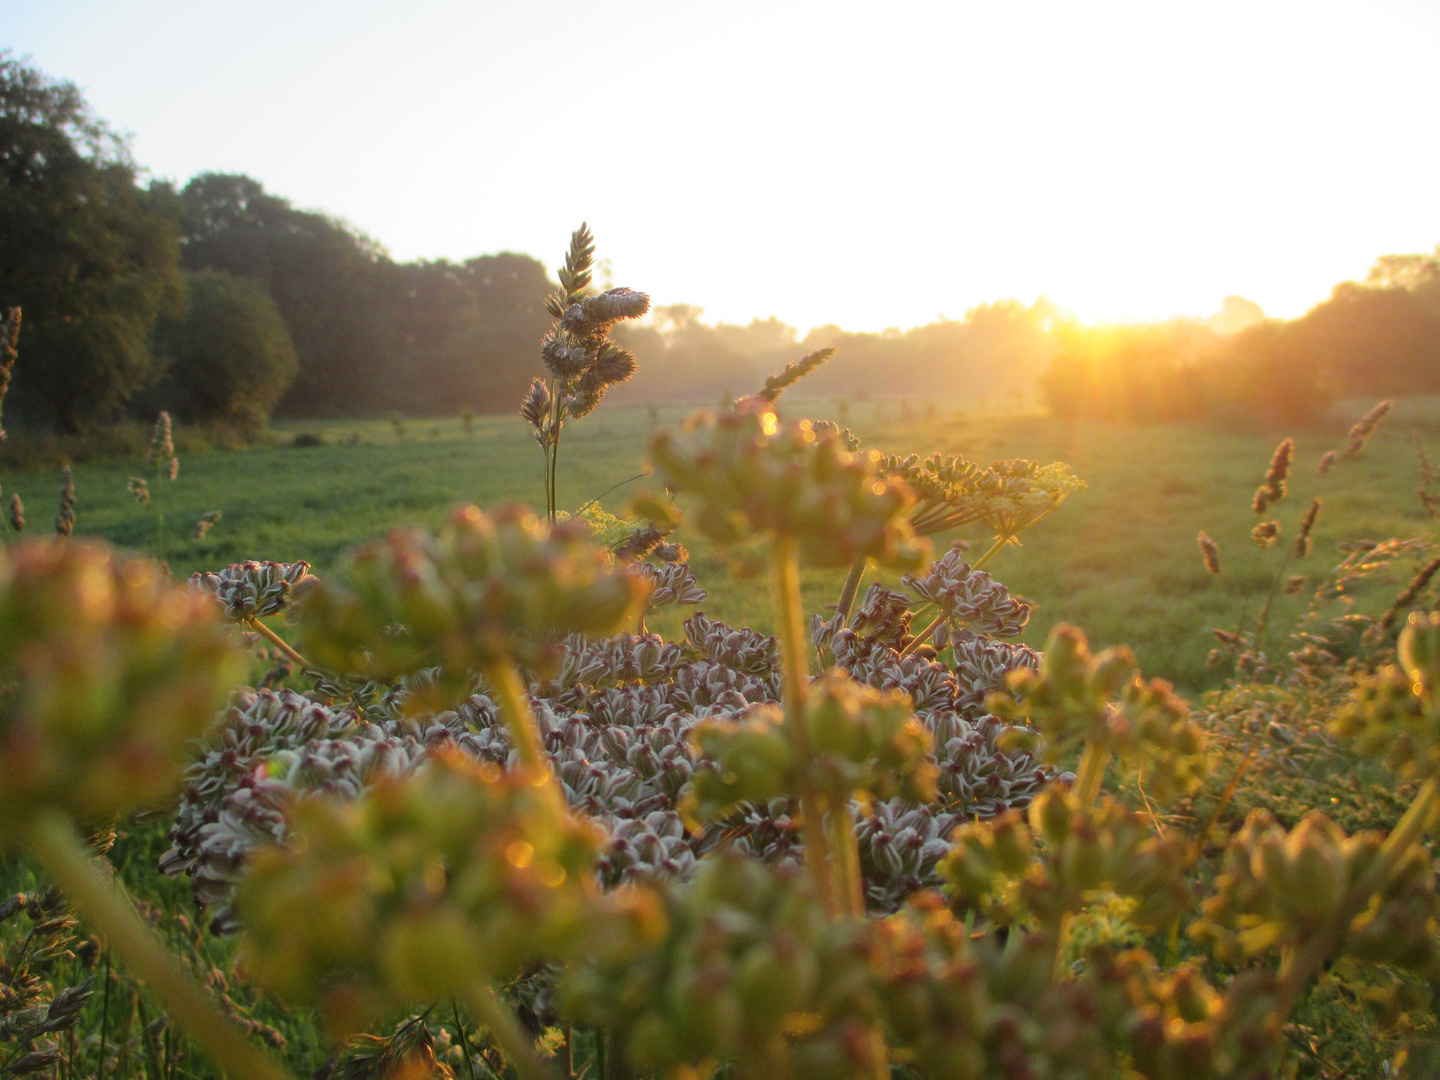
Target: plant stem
(850,588)
(104,1017)
(1262,622)
(994,549)
(1091,773)
(612,487)
(922,637)
(275,639)
(1305,962)
(464,1040)
(63,855)
(796,675)
(507,1032)
(515,711)
(847,859)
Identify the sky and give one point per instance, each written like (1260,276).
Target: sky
(853,163)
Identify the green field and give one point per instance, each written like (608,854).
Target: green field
(1118,558)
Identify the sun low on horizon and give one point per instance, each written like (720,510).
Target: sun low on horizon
(821,163)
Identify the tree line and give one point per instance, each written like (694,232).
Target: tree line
(1378,338)
(222,302)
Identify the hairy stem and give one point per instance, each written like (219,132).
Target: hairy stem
(514,1043)
(991,552)
(514,704)
(64,856)
(275,639)
(795,670)
(1091,773)
(851,898)
(850,588)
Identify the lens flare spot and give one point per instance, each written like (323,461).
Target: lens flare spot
(520,854)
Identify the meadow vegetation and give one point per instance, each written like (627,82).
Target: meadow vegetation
(780,756)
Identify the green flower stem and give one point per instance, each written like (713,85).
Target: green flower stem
(63,855)
(850,588)
(514,1043)
(847,858)
(275,639)
(795,670)
(1091,772)
(1301,966)
(505,683)
(1408,830)
(992,551)
(923,636)
(1088,779)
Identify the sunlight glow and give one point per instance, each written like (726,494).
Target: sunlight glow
(820,162)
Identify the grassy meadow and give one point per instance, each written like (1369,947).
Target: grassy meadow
(1118,558)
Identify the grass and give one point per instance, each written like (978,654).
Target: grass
(1118,558)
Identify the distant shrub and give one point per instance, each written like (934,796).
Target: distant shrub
(305,439)
(230,357)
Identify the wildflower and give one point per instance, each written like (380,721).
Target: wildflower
(1266,534)
(755,474)
(1279,471)
(1295,584)
(206,523)
(9,352)
(486,588)
(434,885)
(65,519)
(1365,427)
(162,448)
(253,589)
(1209,551)
(1327,462)
(139,489)
(112,672)
(1303,544)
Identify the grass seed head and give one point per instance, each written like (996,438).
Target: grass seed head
(65,519)
(1266,534)
(1209,551)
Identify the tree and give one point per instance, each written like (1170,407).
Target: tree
(88,254)
(229,357)
(335,288)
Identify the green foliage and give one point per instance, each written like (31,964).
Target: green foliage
(86,252)
(228,358)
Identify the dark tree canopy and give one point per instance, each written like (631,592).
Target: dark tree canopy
(333,286)
(229,357)
(86,252)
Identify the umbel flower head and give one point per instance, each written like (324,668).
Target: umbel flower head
(858,739)
(107,672)
(253,589)
(756,474)
(485,589)
(426,887)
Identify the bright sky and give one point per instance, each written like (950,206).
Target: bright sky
(866,164)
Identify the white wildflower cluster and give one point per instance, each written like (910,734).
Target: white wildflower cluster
(971,600)
(670,583)
(253,589)
(615,716)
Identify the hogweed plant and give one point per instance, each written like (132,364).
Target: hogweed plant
(488,796)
